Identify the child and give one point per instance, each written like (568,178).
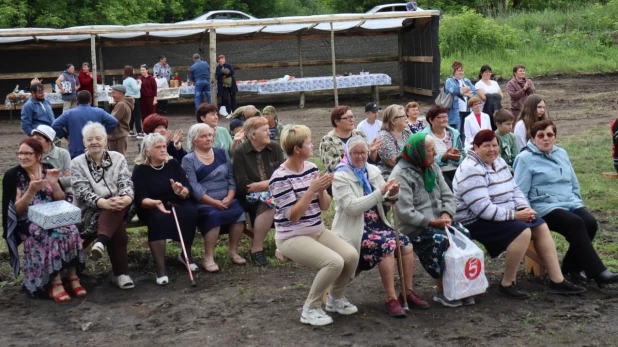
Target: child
(475,122)
(508,145)
(371,126)
(236,126)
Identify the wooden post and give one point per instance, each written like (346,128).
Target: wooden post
(533,263)
(212,47)
(93,54)
(106,103)
(300,64)
(400,54)
(332,49)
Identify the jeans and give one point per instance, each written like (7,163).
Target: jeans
(201,88)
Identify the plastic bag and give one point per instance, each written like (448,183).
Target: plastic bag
(464,271)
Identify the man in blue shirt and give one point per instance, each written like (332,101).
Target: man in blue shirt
(411,6)
(200,74)
(36,111)
(71,123)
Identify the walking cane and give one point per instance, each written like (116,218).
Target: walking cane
(184,250)
(402,275)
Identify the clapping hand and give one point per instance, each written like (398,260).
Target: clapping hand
(178,137)
(387,186)
(320,182)
(239,136)
(52,176)
(169,135)
(36,185)
(375,144)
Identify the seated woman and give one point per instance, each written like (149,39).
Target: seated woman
(545,176)
(475,121)
(412,111)
(58,158)
(300,195)
(492,207)
(159,182)
(425,206)
(212,184)
(394,135)
(208,114)
(449,147)
(46,252)
(533,111)
(158,124)
(331,146)
(104,191)
(255,161)
(360,219)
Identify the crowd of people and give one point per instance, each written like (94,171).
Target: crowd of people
(461,168)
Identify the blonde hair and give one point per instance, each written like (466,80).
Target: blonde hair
(473,100)
(293,136)
(389,115)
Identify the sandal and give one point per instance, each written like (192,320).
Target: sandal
(212,267)
(163,280)
(63,296)
(238,260)
(78,290)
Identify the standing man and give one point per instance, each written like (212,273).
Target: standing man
(117,140)
(70,123)
(36,111)
(200,74)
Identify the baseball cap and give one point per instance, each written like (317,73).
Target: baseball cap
(372,106)
(46,131)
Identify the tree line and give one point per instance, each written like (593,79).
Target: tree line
(68,13)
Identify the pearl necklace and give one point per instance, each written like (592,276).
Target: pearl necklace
(161,168)
(205,156)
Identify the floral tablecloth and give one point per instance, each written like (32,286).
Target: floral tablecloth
(13,99)
(305,84)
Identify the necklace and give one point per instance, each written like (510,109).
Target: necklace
(161,168)
(205,156)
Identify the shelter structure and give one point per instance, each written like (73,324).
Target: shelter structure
(405,41)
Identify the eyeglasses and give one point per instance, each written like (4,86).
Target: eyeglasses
(359,154)
(347,118)
(399,117)
(441,117)
(542,135)
(24,154)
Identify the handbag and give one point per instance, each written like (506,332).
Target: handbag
(464,270)
(444,99)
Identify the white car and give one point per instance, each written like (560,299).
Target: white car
(223,15)
(391,8)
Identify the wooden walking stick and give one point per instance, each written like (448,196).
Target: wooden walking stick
(402,275)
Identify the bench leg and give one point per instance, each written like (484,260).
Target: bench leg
(533,262)
(376,94)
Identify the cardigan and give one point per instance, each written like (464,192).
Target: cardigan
(484,192)
(351,204)
(471,127)
(416,206)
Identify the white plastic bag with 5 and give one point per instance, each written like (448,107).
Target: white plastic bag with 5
(464,270)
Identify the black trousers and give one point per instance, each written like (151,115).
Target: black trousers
(228,99)
(579,228)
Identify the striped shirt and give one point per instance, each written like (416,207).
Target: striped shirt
(287,187)
(484,192)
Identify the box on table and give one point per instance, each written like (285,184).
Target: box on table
(54,214)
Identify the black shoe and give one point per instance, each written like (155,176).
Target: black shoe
(513,292)
(578,277)
(565,287)
(606,277)
(259,258)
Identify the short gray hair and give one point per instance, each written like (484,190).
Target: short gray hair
(196,56)
(149,141)
(91,127)
(194,132)
(355,140)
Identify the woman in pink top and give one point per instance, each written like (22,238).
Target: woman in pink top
(299,190)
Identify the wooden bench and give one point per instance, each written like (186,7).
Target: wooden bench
(533,263)
(610,175)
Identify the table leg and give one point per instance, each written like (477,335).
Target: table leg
(302,99)
(376,94)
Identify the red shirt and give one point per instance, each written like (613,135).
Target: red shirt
(478,118)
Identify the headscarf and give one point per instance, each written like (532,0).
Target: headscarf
(346,165)
(414,152)
(153,121)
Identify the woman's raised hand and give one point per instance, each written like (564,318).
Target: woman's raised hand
(36,185)
(387,186)
(52,176)
(168,136)
(178,136)
(177,187)
(320,182)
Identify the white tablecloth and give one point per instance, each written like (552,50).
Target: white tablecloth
(53,98)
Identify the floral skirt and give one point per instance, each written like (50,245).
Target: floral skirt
(378,241)
(430,246)
(47,253)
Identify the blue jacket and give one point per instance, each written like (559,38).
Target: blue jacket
(73,121)
(35,113)
(548,181)
(452,87)
(200,71)
(458,144)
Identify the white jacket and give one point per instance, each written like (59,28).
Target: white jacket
(471,127)
(351,204)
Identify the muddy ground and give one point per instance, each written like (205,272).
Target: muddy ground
(251,306)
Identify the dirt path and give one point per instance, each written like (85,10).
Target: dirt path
(250,306)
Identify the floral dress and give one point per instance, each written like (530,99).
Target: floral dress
(416,127)
(378,240)
(46,252)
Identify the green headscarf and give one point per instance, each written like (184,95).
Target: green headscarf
(414,152)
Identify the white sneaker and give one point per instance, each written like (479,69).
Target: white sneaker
(97,251)
(315,316)
(123,282)
(341,306)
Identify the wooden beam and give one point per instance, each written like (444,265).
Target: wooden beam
(93,56)
(191,25)
(419,91)
(332,50)
(212,47)
(400,59)
(418,59)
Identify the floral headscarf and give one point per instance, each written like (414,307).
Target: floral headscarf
(414,152)
(360,173)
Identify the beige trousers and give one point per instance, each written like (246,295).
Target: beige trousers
(335,259)
(119,145)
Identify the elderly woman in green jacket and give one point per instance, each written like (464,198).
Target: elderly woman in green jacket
(360,193)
